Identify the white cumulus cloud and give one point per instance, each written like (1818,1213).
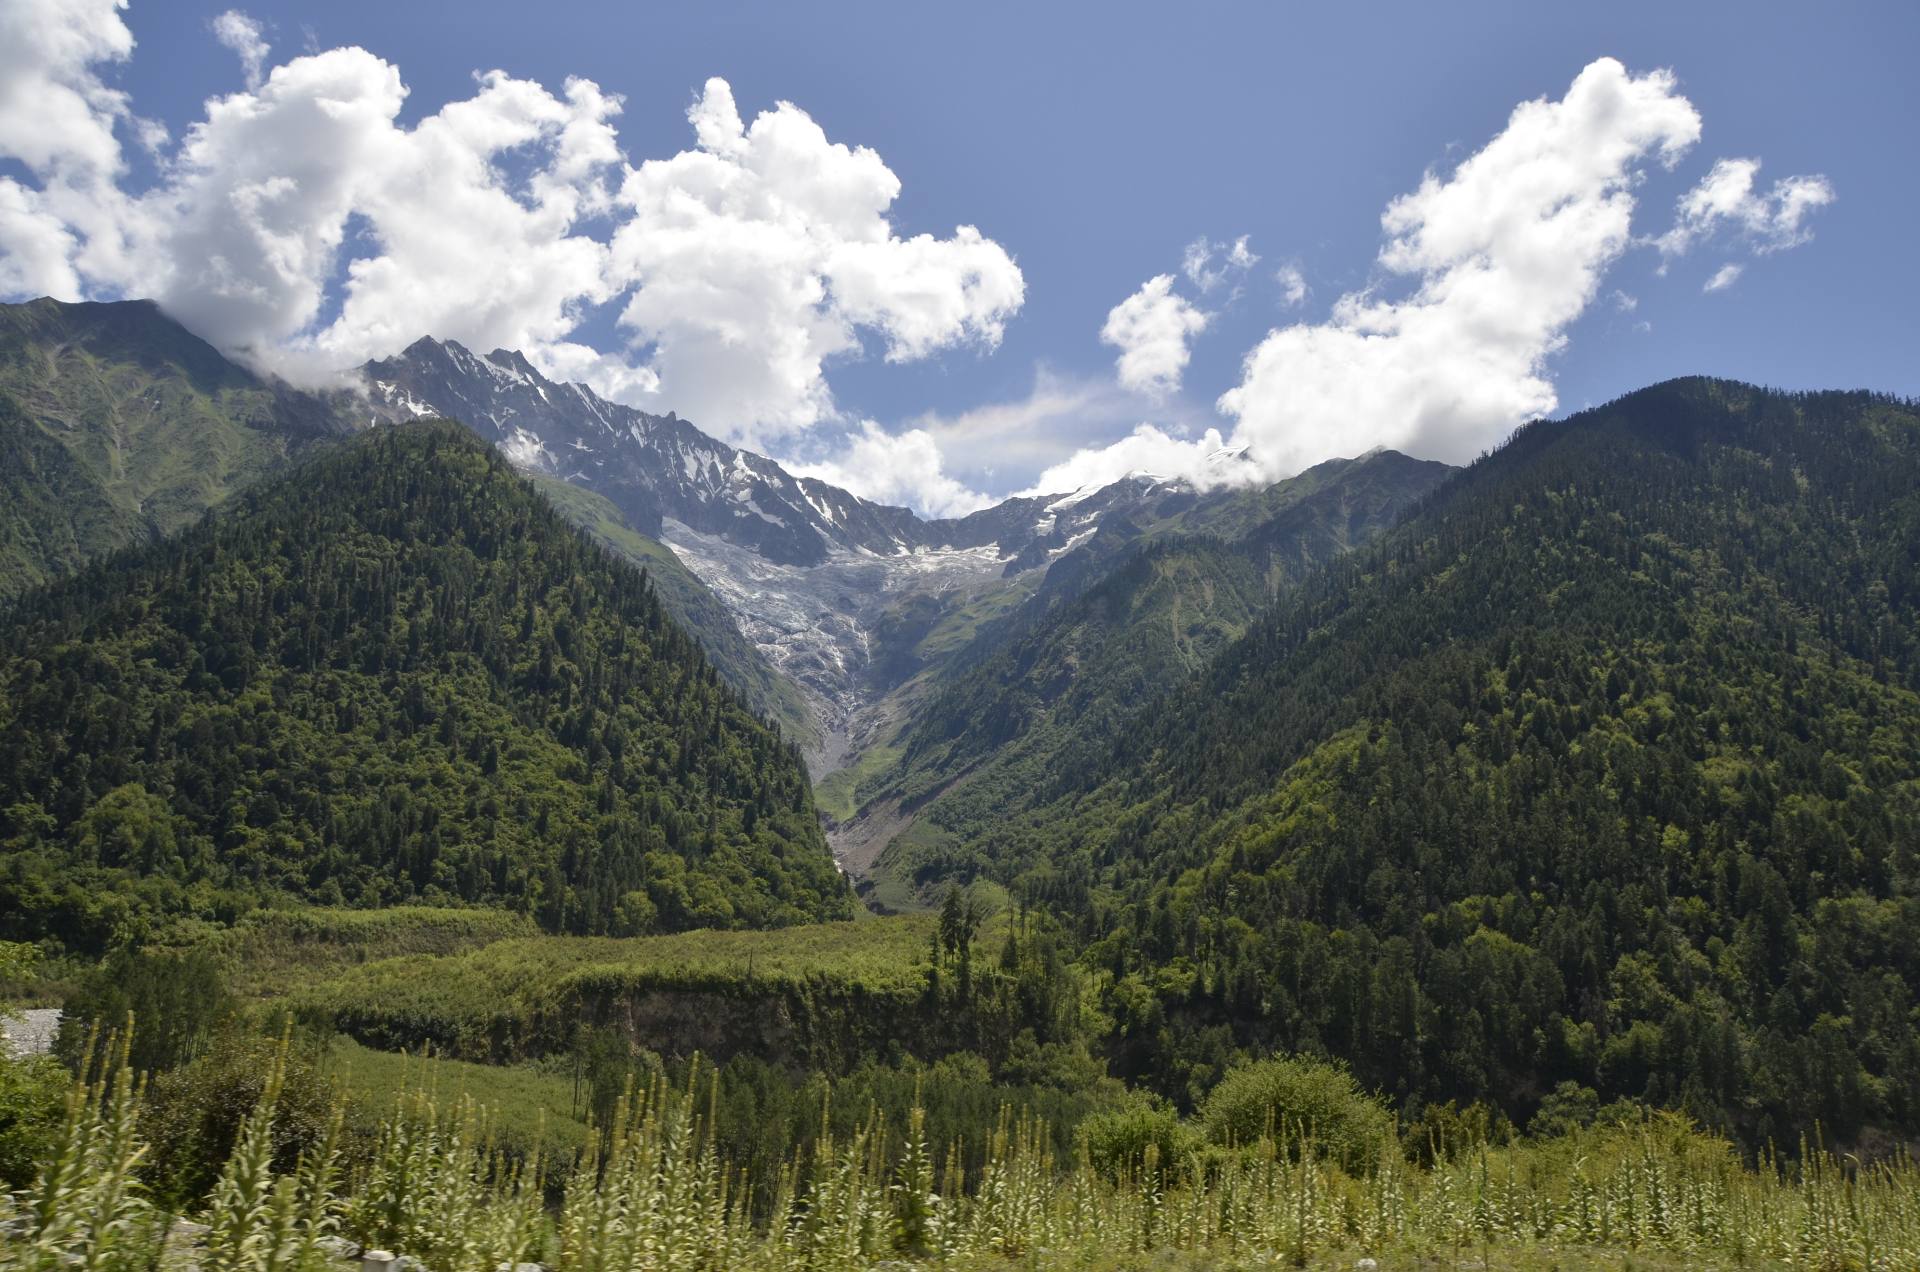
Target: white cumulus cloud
(1503,254)
(300,224)
(244,240)
(58,119)
(1151,329)
(764,251)
(245,232)
(903,469)
(1206,461)
(1769,222)
(460,248)
(36,249)
(1493,261)
(56,116)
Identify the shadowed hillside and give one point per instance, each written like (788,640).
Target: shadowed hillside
(395,675)
(1603,768)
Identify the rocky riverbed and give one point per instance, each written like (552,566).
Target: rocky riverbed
(30,1032)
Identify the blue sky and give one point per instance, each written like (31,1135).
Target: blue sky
(1093,143)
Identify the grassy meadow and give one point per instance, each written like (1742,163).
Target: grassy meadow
(521,995)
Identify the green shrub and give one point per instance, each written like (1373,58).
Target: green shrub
(1117,1140)
(192,1115)
(1570,1106)
(1292,1099)
(33,1099)
(1448,1130)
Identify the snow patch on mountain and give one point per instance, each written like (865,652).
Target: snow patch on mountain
(399,400)
(818,623)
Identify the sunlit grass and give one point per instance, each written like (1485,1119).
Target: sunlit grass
(534,1108)
(271,952)
(523,996)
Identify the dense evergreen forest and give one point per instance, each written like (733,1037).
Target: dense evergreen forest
(1598,778)
(119,426)
(395,674)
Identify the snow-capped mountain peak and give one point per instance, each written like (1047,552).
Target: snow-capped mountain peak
(808,570)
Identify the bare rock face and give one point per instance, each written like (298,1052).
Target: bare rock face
(651,467)
(30,1032)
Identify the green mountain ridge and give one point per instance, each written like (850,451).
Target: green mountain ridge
(119,426)
(394,674)
(1586,776)
(123,427)
(1602,769)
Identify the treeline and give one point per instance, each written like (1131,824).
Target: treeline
(394,675)
(1600,775)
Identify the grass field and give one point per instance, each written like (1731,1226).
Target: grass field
(531,1106)
(271,952)
(521,996)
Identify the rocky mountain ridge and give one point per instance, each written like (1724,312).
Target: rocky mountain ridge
(837,592)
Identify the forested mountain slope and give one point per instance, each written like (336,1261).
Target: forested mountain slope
(118,425)
(859,608)
(1140,607)
(1604,768)
(393,674)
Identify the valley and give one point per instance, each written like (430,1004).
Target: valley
(857,613)
(660,763)
(1063,638)
(847,630)
(834,617)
